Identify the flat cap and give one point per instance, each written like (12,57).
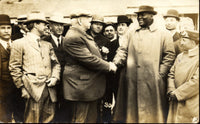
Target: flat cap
(80,13)
(98,18)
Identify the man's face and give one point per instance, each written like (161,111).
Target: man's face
(5,32)
(122,28)
(42,28)
(145,19)
(96,27)
(170,23)
(187,44)
(86,22)
(109,32)
(56,28)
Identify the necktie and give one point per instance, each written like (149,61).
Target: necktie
(8,47)
(59,44)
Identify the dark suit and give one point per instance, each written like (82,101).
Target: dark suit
(83,77)
(6,87)
(61,58)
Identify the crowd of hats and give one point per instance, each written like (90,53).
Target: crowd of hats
(39,16)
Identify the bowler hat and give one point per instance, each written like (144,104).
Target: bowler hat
(98,18)
(191,34)
(4,19)
(148,9)
(123,19)
(172,13)
(80,13)
(57,18)
(36,16)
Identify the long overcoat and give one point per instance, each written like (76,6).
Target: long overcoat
(148,55)
(183,81)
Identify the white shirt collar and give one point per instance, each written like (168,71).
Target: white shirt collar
(4,43)
(56,39)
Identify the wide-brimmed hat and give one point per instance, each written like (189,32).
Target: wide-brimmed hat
(80,13)
(148,9)
(172,13)
(98,18)
(123,19)
(57,18)
(36,16)
(4,19)
(190,34)
(21,18)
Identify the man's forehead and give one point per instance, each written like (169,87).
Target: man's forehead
(109,27)
(5,25)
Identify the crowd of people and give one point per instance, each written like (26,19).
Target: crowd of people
(93,71)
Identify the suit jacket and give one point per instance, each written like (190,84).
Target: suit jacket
(83,77)
(58,51)
(31,65)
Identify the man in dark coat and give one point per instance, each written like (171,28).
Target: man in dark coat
(84,72)
(56,25)
(6,83)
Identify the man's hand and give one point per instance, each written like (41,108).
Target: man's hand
(112,67)
(172,96)
(104,50)
(51,82)
(25,93)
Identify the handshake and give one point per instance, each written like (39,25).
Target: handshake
(112,67)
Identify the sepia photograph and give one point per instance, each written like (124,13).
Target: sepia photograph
(99,61)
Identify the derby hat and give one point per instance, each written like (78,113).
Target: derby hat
(148,9)
(80,13)
(4,19)
(123,19)
(172,13)
(57,18)
(190,34)
(36,16)
(98,18)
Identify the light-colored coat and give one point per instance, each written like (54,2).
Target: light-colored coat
(30,66)
(184,82)
(148,55)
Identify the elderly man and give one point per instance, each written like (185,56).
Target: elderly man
(183,81)
(148,54)
(83,78)
(6,84)
(56,25)
(171,22)
(35,70)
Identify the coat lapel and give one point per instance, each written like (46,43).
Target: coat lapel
(34,44)
(3,49)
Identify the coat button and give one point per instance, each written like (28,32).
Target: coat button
(138,66)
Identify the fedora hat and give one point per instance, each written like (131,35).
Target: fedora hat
(98,18)
(80,13)
(123,19)
(36,16)
(148,9)
(4,19)
(57,18)
(172,13)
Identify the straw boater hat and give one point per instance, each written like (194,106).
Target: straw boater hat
(148,9)
(21,18)
(57,18)
(4,19)
(36,16)
(97,18)
(172,13)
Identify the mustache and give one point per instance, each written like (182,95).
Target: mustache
(6,34)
